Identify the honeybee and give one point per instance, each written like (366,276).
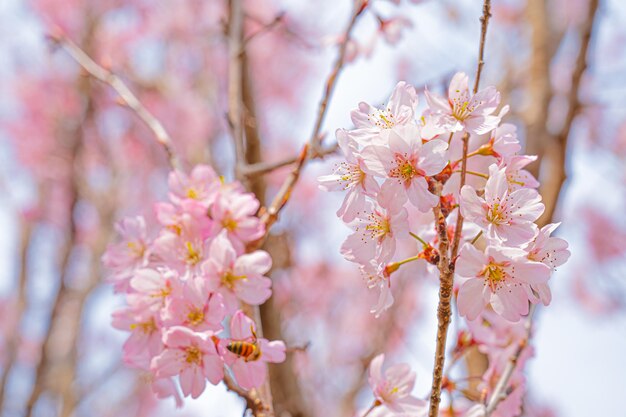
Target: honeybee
(249,351)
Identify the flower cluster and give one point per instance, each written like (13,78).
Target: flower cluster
(399,162)
(183,286)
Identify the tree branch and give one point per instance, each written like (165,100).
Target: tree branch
(129,99)
(446,263)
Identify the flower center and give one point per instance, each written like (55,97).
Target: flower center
(229,279)
(378,226)
(195,316)
(229,224)
(146,327)
(192,193)
(405,168)
(383,119)
(350,174)
(193,355)
(462,106)
(495,274)
(193,256)
(136,248)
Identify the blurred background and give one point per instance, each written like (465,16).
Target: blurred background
(73,161)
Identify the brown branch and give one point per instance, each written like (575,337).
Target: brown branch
(484,23)
(10,355)
(235,74)
(261,168)
(129,99)
(553,183)
(446,274)
(446,263)
(281,198)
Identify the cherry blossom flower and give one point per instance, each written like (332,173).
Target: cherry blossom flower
(200,186)
(195,307)
(250,371)
(376,278)
(507,216)
(131,253)
(503,143)
(237,277)
(152,287)
(145,334)
(392,390)
(515,175)
(193,356)
(376,230)
(499,277)
(551,251)
(235,212)
(463,111)
(400,110)
(405,163)
(350,175)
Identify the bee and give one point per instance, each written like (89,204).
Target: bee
(249,351)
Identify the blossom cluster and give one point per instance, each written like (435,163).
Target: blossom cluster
(398,161)
(189,282)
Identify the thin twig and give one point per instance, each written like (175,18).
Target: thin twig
(484,20)
(499,392)
(446,264)
(262,168)
(129,99)
(281,198)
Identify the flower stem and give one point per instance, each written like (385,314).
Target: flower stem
(478,174)
(374,405)
(476,237)
(418,238)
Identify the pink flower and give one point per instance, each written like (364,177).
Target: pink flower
(507,216)
(201,185)
(190,355)
(392,390)
(400,110)
(237,278)
(144,341)
(376,279)
(235,212)
(152,287)
(195,307)
(131,253)
(182,246)
(376,230)
(516,176)
(551,251)
(350,175)
(500,277)
(463,111)
(250,365)
(405,163)
(504,141)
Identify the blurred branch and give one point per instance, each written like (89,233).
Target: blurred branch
(129,99)
(446,262)
(271,214)
(10,355)
(261,168)
(235,74)
(554,181)
(66,250)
